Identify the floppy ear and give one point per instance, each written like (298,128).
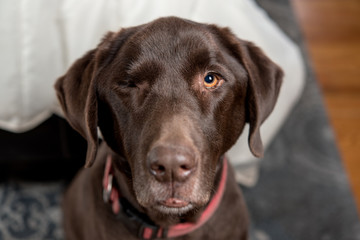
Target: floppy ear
(76,90)
(265,79)
(264,82)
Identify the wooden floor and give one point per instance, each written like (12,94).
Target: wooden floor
(332,32)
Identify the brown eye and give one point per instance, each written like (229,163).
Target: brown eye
(211,81)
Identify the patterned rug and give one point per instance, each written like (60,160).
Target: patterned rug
(302,194)
(30,211)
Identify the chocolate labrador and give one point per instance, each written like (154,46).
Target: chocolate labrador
(170,98)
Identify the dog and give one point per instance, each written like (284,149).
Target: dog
(170,98)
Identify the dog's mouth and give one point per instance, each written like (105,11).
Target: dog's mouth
(174,206)
(174,203)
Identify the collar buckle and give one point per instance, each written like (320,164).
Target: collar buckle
(108,189)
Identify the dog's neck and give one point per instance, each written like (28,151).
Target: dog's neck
(126,206)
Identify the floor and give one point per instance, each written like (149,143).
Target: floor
(332,33)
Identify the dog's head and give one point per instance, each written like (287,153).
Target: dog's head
(170,97)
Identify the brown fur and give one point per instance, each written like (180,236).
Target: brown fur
(144,88)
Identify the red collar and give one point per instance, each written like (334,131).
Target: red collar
(147,229)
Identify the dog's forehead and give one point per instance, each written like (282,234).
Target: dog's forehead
(172,39)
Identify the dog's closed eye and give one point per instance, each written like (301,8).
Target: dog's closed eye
(127,84)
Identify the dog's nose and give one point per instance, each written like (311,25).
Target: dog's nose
(171,163)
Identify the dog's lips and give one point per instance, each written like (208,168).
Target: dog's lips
(174,206)
(174,203)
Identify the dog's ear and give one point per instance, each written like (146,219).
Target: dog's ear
(78,101)
(77,89)
(265,78)
(264,82)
